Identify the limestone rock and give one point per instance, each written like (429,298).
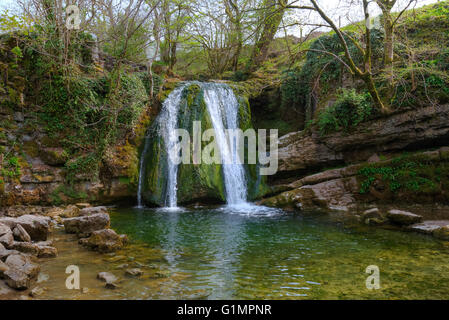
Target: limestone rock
(303,153)
(109,278)
(86,224)
(403,217)
(26,247)
(35,249)
(37,291)
(82,205)
(36,226)
(21,271)
(70,212)
(442,233)
(47,252)
(3,267)
(429,226)
(106,240)
(134,272)
(20,234)
(6,236)
(92,210)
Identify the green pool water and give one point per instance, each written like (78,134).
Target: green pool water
(266,254)
(259,253)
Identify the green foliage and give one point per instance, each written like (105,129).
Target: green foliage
(348,111)
(322,72)
(290,89)
(68,191)
(407,173)
(10,167)
(17,52)
(419,86)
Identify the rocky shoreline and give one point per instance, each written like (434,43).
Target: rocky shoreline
(24,233)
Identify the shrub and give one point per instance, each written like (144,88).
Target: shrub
(350,109)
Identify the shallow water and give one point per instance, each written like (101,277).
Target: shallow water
(252,253)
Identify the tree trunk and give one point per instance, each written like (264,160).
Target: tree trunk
(389,53)
(369,82)
(272,19)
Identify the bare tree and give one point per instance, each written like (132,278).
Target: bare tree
(389,24)
(365,71)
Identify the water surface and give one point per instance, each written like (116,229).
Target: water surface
(257,253)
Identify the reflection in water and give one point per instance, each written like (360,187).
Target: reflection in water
(257,253)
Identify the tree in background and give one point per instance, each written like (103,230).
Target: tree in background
(271,14)
(389,23)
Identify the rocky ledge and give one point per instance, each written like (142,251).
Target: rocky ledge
(305,152)
(23,239)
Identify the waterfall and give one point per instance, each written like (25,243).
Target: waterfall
(223,109)
(141,172)
(167,123)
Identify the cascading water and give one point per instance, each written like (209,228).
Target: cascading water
(167,123)
(223,109)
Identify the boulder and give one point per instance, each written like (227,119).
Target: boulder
(37,291)
(403,217)
(373,217)
(21,271)
(82,205)
(70,212)
(35,249)
(3,267)
(47,252)
(26,247)
(429,226)
(6,236)
(86,224)
(442,233)
(36,226)
(134,272)
(6,253)
(106,240)
(92,210)
(109,278)
(20,234)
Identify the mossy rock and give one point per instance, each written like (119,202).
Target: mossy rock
(53,156)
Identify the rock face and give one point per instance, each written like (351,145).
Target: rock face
(403,217)
(36,226)
(86,224)
(411,130)
(106,240)
(345,188)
